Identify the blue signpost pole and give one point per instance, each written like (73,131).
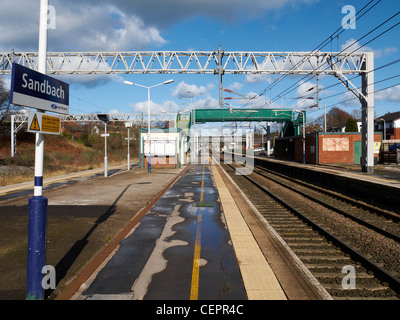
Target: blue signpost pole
(36,247)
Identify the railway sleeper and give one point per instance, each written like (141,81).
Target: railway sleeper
(368,287)
(313,250)
(330,274)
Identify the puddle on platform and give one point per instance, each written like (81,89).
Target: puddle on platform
(204,204)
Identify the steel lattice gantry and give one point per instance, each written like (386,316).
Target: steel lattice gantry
(210,62)
(221,62)
(17,121)
(127,117)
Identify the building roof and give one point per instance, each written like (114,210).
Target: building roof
(338,125)
(390,116)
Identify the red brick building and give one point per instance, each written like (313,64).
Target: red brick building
(325,148)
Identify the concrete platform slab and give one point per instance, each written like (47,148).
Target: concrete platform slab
(180,250)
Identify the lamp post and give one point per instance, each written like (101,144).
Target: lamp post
(148,110)
(384,128)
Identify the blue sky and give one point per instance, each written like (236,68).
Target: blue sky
(203,25)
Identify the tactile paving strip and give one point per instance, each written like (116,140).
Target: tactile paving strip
(259,279)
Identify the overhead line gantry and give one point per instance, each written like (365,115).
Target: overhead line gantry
(220,63)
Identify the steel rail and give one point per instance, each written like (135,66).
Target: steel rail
(347,215)
(365,206)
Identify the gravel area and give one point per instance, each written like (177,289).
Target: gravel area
(16,170)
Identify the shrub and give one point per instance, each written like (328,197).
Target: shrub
(351,125)
(67,135)
(96,141)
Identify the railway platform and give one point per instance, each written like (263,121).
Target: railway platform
(381,186)
(388,174)
(194,244)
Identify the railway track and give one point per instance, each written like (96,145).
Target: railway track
(352,248)
(375,218)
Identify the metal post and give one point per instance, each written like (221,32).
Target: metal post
(220,72)
(105,151)
(148,131)
(367,130)
(304,137)
(129,155)
(37,220)
(142,156)
(176,153)
(129,138)
(13,136)
(268,139)
(384,129)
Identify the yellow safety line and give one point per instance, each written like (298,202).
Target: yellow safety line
(194,290)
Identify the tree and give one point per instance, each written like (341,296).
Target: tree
(356,114)
(5,107)
(351,125)
(4,101)
(333,117)
(338,116)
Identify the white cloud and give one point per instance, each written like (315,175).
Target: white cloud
(184,90)
(106,25)
(207,103)
(164,13)
(104,28)
(353,45)
(390,50)
(168,106)
(389,94)
(348,100)
(119,25)
(234,86)
(80,26)
(306,89)
(254,101)
(257,78)
(306,95)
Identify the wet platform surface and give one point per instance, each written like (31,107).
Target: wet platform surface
(180,250)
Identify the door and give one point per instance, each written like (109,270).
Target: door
(357,152)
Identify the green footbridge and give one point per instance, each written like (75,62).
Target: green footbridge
(291,127)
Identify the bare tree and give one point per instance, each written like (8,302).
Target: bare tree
(356,114)
(5,107)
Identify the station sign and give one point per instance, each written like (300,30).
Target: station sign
(39,122)
(36,90)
